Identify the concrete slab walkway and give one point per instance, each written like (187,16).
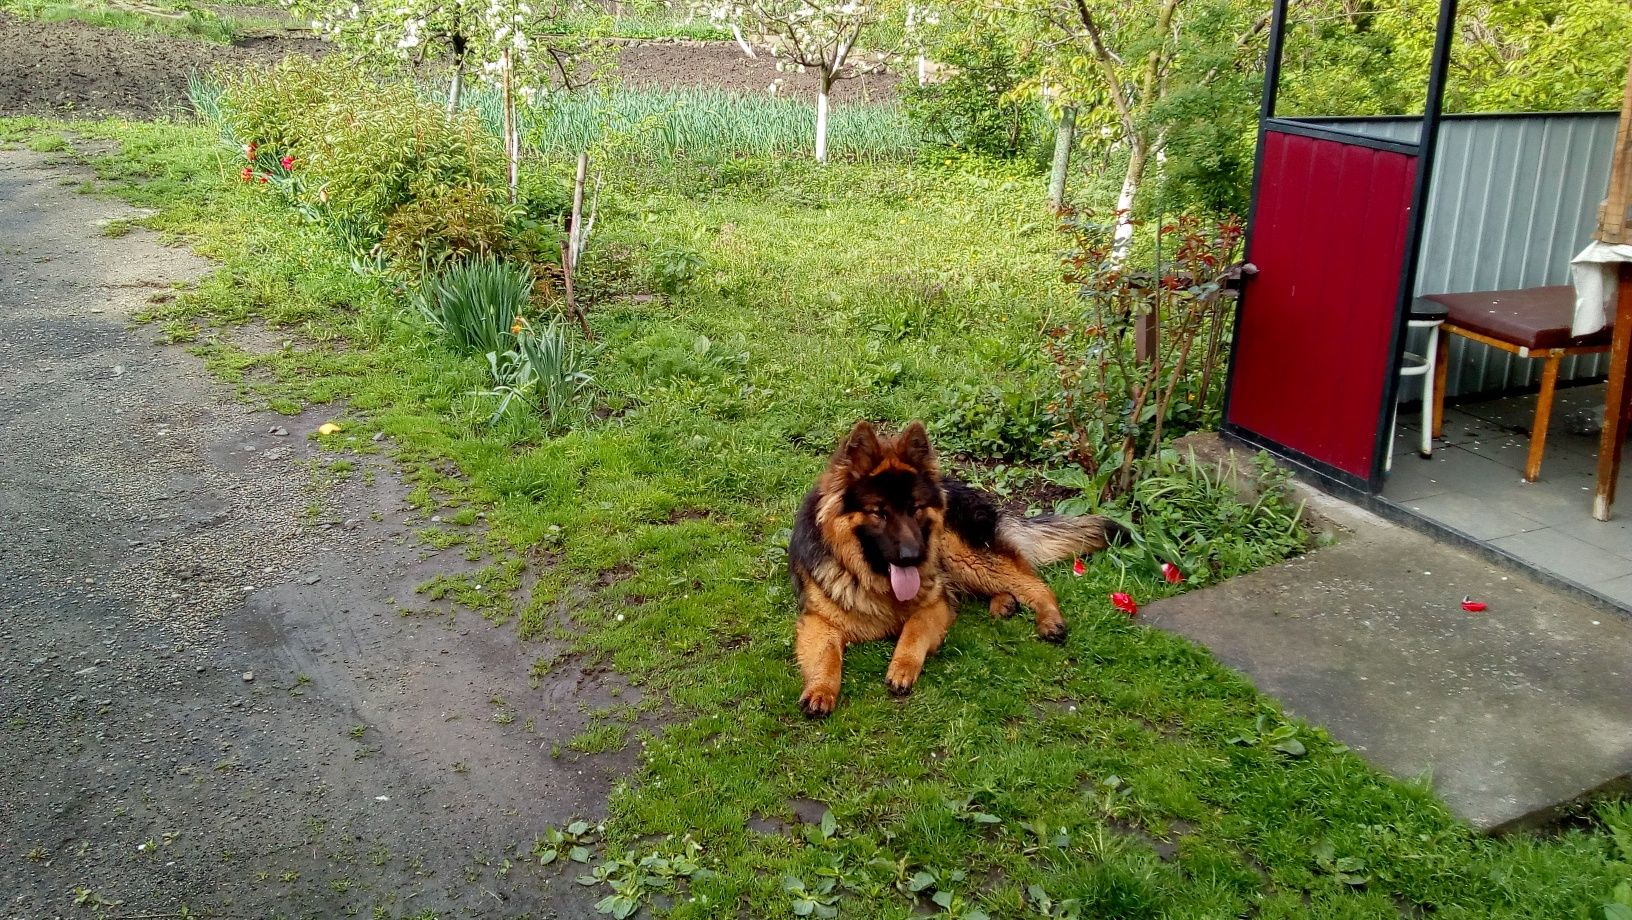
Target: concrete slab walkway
(1513,711)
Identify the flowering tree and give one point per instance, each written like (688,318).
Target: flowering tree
(477,36)
(839,39)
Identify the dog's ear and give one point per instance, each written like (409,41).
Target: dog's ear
(860,451)
(913,447)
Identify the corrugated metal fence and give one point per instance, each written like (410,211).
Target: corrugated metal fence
(1513,198)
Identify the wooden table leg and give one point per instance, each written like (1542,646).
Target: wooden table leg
(1544,416)
(1615,406)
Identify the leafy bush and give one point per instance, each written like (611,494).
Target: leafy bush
(1114,408)
(995,423)
(366,147)
(547,369)
(475,305)
(674,267)
(1205,520)
(447,225)
(980,107)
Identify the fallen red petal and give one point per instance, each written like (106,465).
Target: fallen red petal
(1124,603)
(1077,568)
(1171,573)
(1472,606)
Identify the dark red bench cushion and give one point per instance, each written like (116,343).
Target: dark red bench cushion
(1534,318)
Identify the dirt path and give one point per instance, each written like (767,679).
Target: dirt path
(213,697)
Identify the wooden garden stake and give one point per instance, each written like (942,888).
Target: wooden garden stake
(512,149)
(1615,217)
(1615,227)
(573,246)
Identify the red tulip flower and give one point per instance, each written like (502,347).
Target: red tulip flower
(247,174)
(1125,603)
(1172,574)
(1473,606)
(288,162)
(249,151)
(263,180)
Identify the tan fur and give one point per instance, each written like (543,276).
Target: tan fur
(844,601)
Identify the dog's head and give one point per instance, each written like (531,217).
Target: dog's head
(890,496)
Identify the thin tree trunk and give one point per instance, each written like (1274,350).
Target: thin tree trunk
(512,149)
(457,87)
(1064,138)
(736,33)
(821,119)
(575,237)
(1122,239)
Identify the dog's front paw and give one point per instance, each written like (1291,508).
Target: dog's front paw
(1052,630)
(817,702)
(900,678)
(1004,605)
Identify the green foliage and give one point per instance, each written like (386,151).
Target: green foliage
(365,147)
(991,422)
(1195,517)
(982,107)
(656,23)
(705,124)
(675,266)
(168,18)
(1114,404)
(445,225)
(475,304)
(546,370)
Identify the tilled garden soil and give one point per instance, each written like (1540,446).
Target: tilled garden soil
(70,68)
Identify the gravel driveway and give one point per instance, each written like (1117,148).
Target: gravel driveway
(216,693)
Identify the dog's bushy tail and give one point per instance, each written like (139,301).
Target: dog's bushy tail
(1053,537)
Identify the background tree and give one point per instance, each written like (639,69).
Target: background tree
(466,36)
(839,39)
(1127,67)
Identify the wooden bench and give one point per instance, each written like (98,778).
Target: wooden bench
(1530,323)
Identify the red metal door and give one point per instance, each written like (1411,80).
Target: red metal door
(1314,339)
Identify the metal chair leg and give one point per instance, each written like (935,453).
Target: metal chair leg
(1429,395)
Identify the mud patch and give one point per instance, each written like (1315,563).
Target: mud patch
(807,811)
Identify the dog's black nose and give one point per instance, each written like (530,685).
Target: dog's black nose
(911,556)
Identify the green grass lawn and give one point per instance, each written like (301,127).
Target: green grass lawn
(1125,774)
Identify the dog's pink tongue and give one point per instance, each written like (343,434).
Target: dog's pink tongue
(904,582)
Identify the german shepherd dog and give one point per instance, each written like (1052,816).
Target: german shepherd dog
(884,546)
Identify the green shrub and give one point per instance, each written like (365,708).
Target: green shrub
(365,147)
(445,226)
(475,304)
(674,267)
(979,107)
